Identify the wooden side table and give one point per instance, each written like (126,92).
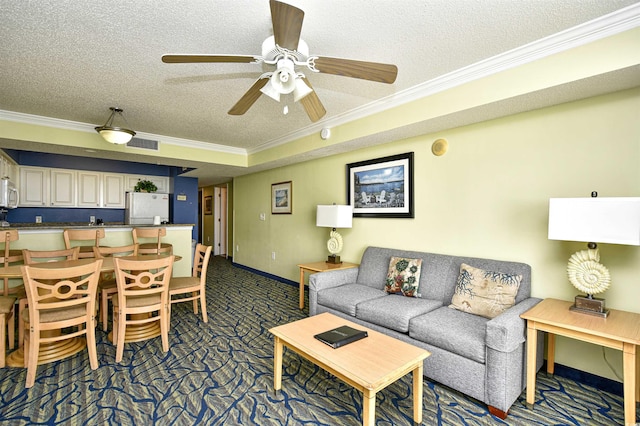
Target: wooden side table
(620,330)
(320,267)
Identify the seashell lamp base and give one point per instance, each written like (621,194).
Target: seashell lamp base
(590,305)
(333,258)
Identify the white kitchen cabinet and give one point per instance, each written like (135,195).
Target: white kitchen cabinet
(50,187)
(63,188)
(112,191)
(8,167)
(89,186)
(34,186)
(162,182)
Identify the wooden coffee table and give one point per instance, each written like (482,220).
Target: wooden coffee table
(369,365)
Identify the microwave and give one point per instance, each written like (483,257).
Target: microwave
(9,197)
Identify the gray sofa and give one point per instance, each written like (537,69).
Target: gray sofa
(480,357)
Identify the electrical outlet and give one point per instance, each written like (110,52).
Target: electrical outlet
(92,219)
(263,216)
(238,247)
(273,255)
(38,219)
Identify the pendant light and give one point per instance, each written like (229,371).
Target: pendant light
(112,132)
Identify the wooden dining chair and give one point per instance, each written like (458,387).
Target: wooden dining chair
(142,298)
(193,287)
(61,308)
(154,247)
(8,257)
(37,256)
(93,235)
(7,309)
(107,285)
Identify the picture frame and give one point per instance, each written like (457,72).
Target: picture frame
(282,198)
(382,187)
(208,205)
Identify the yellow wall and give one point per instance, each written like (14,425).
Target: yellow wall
(487,197)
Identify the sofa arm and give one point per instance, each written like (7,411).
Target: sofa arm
(329,279)
(507,331)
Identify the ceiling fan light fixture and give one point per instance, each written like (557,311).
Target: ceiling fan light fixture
(271,91)
(284,78)
(301,90)
(113,133)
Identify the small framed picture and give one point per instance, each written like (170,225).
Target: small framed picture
(382,187)
(208,208)
(281,198)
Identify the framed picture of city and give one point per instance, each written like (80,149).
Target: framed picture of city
(382,187)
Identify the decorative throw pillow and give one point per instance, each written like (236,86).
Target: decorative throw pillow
(404,276)
(485,293)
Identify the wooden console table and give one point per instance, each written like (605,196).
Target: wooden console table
(320,267)
(620,330)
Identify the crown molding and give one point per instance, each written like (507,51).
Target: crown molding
(605,26)
(58,123)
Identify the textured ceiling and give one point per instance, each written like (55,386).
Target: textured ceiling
(72,60)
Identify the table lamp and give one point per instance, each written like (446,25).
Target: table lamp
(612,220)
(334,216)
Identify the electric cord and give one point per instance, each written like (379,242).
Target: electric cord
(604,355)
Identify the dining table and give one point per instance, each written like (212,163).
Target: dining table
(59,350)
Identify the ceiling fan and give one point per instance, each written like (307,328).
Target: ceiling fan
(286,51)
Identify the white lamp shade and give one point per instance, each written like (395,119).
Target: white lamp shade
(271,91)
(117,136)
(334,216)
(301,90)
(613,220)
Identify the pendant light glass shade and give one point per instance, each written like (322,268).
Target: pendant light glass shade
(113,133)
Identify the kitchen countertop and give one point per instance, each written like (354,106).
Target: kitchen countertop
(62,225)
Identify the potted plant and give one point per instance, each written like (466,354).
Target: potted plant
(145,186)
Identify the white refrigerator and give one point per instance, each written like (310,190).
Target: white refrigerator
(141,208)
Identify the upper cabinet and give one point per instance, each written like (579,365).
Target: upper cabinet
(34,186)
(8,167)
(112,191)
(63,188)
(44,187)
(161,182)
(89,187)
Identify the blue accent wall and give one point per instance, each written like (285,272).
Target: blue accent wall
(179,211)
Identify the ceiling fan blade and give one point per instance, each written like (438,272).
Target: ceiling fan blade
(374,71)
(312,105)
(187,59)
(287,24)
(249,98)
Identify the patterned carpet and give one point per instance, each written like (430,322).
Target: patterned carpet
(221,373)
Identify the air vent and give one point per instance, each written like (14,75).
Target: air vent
(143,144)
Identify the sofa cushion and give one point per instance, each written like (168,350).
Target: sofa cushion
(484,293)
(403,276)
(344,298)
(395,311)
(452,330)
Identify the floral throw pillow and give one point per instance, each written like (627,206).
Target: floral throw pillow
(484,293)
(404,276)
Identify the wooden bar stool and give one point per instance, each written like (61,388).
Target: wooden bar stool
(156,247)
(94,235)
